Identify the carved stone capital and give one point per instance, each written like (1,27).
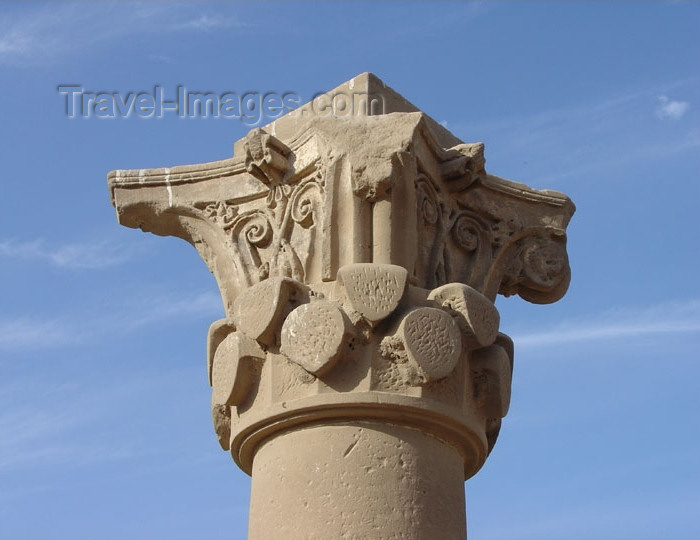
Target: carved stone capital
(358,260)
(362,190)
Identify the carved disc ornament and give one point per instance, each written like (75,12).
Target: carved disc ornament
(358,259)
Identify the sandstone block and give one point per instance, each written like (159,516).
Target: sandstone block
(234,369)
(313,336)
(221,418)
(492,372)
(374,290)
(432,342)
(258,311)
(217,332)
(480,316)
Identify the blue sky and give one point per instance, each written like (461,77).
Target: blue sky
(104,405)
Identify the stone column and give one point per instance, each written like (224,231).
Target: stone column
(359,374)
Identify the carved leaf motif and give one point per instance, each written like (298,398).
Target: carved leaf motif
(221,212)
(374,290)
(306,201)
(430,266)
(471,258)
(428,201)
(285,262)
(277,195)
(250,233)
(432,341)
(466,233)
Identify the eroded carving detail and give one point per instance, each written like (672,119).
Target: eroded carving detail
(235,369)
(313,336)
(305,340)
(374,290)
(432,342)
(476,315)
(358,262)
(266,157)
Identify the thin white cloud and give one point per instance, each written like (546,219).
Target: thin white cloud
(42,427)
(75,256)
(38,34)
(162,58)
(208,23)
(639,513)
(36,333)
(666,318)
(21,333)
(671,109)
(588,137)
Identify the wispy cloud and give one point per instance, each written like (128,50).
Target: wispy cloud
(594,136)
(671,109)
(637,514)
(75,256)
(208,23)
(666,318)
(74,328)
(162,58)
(42,426)
(28,430)
(36,34)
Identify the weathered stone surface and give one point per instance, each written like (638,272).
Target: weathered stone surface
(432,342)
(358,374)
(221,418)
(479,317)
(234,370)
(378,190)
(492,371)
(319,483)
(259,310)
(313,336)
(374,290)
(217,332)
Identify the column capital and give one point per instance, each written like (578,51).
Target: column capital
(358,258)
(355,190)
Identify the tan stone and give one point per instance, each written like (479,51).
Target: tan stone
(358,374)
(259,310)
(234,369)
(221,419)
(492,371)
(317,483)
(479,316)
(432,342)
(313,336)
(374,290)
(217,332)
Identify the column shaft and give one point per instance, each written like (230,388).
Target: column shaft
(357,481)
